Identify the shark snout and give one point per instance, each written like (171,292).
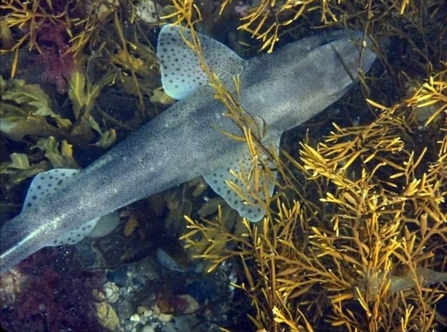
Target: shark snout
(354,53)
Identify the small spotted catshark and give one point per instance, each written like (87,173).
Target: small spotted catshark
(283,89)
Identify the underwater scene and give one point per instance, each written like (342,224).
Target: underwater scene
(223,165)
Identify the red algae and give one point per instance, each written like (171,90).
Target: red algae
(51,293)
(57,60)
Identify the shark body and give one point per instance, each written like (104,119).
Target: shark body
(284,89)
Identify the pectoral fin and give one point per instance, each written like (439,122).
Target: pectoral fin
(244,203)
(181,71)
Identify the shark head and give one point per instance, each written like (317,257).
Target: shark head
(315,71)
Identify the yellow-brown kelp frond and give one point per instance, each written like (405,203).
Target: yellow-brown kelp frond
(269,20)
(430,99)
(30,16)
(385,229)
(61,32)
(79,48)
(366,248)
(265,20)
(368,238)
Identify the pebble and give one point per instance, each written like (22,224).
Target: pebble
(112,292)
(135,318)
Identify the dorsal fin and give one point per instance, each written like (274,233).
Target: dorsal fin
(181,72)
